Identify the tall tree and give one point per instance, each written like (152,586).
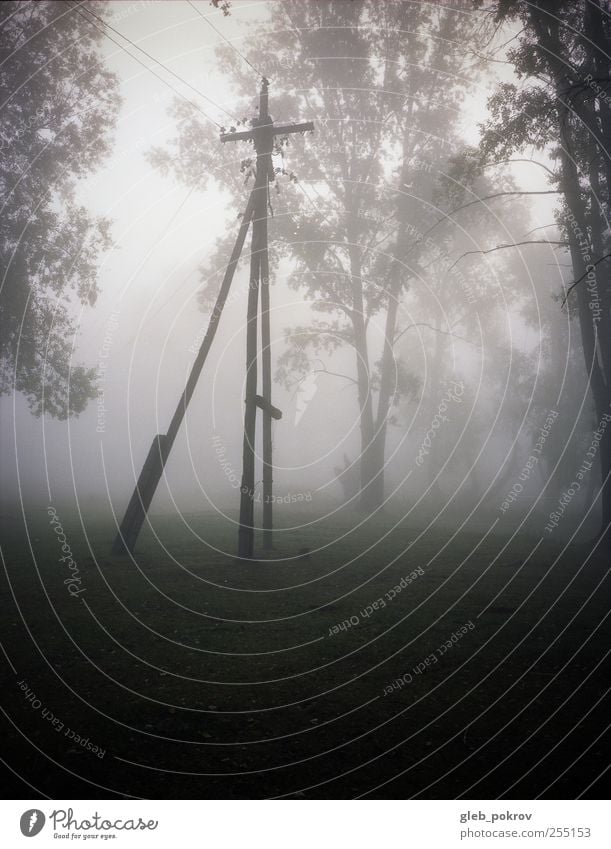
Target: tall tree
(382,83)
(59,106)
(458,312)
(563,106)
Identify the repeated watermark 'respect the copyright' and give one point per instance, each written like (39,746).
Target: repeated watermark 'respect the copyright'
(584,470)
(257,496)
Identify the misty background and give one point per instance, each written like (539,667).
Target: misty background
(431,619)
(145,328)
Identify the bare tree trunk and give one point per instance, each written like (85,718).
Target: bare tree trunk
(367,459)
(433,465)
(388,380)
(595,332)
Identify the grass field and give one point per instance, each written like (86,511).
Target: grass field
(185,673)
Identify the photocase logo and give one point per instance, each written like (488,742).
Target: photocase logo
(32,822)
(307,390)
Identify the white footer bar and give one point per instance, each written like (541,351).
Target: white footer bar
(305,824)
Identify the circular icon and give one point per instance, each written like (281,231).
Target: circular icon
(31,822)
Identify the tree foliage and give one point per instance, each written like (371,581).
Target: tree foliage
(59,105)
(383,84)
(563,107)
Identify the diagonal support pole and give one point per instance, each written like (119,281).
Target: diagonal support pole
(262,134)
(159,451)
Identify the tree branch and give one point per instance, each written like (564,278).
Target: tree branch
(529,161)
(452,212)
(585,274)
(335,305)
(513,245)
(334,374)
(543,227)
(490,197)
(323,370)
(436,329)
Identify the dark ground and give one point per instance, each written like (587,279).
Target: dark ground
(201,677)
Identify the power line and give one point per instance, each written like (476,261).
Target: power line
(241,55)
(146,67)
(158,62)
(169,70)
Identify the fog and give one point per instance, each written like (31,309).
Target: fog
(369,558)
(144,331)
(146,327)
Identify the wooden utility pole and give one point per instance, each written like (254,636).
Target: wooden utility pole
(266,391)
(262,134)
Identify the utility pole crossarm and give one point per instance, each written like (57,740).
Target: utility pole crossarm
(278,130)
(245,135)
(286,129)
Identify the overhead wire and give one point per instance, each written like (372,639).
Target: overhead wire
(147,68)
(259,73)
(80,9)
(224,37)
(165,67)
